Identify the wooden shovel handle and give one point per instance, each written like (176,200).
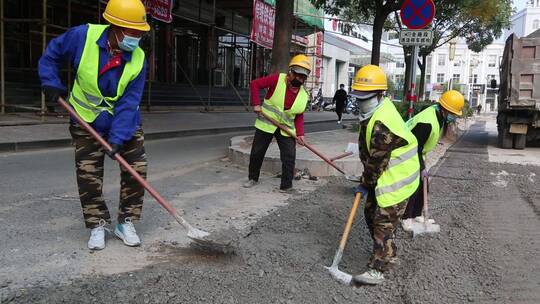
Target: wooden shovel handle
(425,186)
(350,220)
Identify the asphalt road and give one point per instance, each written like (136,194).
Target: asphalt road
(39,207)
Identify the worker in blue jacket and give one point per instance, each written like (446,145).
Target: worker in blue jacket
(109,83)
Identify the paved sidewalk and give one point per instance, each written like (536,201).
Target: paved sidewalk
(20,133)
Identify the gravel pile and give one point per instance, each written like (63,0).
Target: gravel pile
(281,259)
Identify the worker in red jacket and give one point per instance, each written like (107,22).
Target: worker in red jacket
(285,102)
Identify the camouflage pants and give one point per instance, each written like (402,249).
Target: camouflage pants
(382,224)
(89,158)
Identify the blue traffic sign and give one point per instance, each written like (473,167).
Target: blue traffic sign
(417,14)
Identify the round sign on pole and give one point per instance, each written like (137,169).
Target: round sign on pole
(417,14)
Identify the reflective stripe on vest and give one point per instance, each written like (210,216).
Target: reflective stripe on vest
(427,116)
(401,177)
(274,107)
(86,97)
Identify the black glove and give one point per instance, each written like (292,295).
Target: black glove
(115,149)
(52,94)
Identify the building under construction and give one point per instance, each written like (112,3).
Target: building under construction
(205,56)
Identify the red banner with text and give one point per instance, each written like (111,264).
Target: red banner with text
(262,29)
(159,9)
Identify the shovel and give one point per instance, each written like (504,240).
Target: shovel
(309,147)
(200,237)
(426,227)
(337,274)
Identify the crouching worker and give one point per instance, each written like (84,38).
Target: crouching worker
(388,151)
(285,102)
(427,127)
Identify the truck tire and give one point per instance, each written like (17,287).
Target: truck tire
(519,141)
(505,138)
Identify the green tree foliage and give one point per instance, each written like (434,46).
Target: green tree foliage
(364,11)
(479,22)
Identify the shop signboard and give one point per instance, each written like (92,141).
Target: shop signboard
(262,29)
(159,9)
(318,67)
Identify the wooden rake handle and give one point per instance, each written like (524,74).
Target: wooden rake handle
(319,154)
(119,158)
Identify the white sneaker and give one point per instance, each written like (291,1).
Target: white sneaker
(407,224)
(339,122)
(420,219)
(126,232)
(97,237)
(250,183)
(370,277)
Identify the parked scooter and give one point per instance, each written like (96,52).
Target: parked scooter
(351,107)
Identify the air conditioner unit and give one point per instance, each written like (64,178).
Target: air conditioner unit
(219,78)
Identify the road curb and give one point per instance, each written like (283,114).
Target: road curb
(66,142)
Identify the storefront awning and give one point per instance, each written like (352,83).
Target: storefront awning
(306,11)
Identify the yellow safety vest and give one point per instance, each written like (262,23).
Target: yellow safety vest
(402,176)
(427,116)
(275,108)
(85,96)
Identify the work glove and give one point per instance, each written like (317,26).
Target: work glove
(361,189)
(52,94)
(115,149)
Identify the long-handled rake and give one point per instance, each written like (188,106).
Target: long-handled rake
(201,238)
(309,147)
(337,274)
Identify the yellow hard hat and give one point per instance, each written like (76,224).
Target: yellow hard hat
(452,101)
(300,64)
(127,13)
(370,78)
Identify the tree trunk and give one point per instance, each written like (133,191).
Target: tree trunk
(421,88)
(282,36)
(378,23)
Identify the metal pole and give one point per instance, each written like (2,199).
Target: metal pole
(412,90)
(2,67)
(151,74)
(213,59)
(44,42)
(69,26)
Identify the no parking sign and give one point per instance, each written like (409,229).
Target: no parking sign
(417,14)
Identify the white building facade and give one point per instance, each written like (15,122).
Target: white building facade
(526,20)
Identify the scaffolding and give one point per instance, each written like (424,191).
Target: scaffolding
(27,26)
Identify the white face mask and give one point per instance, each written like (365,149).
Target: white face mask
(367,107)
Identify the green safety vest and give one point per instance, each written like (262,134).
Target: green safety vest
(275,108)
(402,176)
(427,116)
(85,96)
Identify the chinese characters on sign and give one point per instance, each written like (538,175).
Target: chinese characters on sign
(262,30)
(159,9)
(318,54)
(415,37)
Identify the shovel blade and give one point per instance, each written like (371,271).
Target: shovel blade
(353,178)
(352,148)
(339,275)
(423,228)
